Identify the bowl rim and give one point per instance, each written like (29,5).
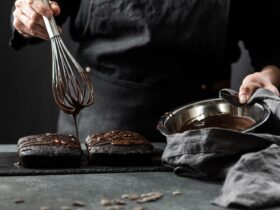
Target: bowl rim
(163,130)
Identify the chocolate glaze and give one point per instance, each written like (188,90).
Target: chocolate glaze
(116,137)
(226,121)
(50,139)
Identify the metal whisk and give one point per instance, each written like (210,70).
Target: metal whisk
(71,86)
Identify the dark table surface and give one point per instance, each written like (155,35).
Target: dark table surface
(55,191)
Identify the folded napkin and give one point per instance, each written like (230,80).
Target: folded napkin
(249,163)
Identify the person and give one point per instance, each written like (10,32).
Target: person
(147,57)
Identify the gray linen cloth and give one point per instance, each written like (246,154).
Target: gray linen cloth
(249,163)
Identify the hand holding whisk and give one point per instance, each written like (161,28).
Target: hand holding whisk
(71,86)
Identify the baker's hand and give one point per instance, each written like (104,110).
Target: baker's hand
(268,78)
(28,19)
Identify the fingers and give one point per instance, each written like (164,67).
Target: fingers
(55,8)
(28,19)
(40,7)
(28,27)
(45,10)
(249,85)
(253,82)
(32,15)
(245,93)
(19,25)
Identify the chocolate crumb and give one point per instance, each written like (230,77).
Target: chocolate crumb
(144,195)
(125,196)
(133,197)
(119,201)
(79,204)
(177,193)
(19,201)
(147,197)
(106,202)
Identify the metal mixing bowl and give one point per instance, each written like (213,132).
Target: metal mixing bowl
(172,121)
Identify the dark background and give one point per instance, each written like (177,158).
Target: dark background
(27,106)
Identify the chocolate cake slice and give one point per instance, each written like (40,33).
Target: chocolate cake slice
(118,148)
(49,151)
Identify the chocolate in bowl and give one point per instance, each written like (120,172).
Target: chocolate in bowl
(226,121)
(213,113)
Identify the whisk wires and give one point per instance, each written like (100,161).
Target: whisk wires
(71,85)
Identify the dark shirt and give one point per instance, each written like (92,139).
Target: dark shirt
(255,22)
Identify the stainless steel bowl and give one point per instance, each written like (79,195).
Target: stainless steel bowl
(172,121)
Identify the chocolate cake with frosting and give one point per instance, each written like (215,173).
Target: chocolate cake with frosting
(118,147)
(49,151)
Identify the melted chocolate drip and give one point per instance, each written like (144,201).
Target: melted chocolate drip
(116,137)
(48,139)
(226,121)
(72,95)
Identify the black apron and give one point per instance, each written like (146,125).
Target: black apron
(146,57)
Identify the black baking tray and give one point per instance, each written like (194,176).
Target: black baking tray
(9,167)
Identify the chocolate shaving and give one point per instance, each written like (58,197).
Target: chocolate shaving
(79,204)
(106,202)
(19,201)
(119,201)
(147,197)
(177,193)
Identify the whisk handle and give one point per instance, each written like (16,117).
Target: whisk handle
(50,23)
